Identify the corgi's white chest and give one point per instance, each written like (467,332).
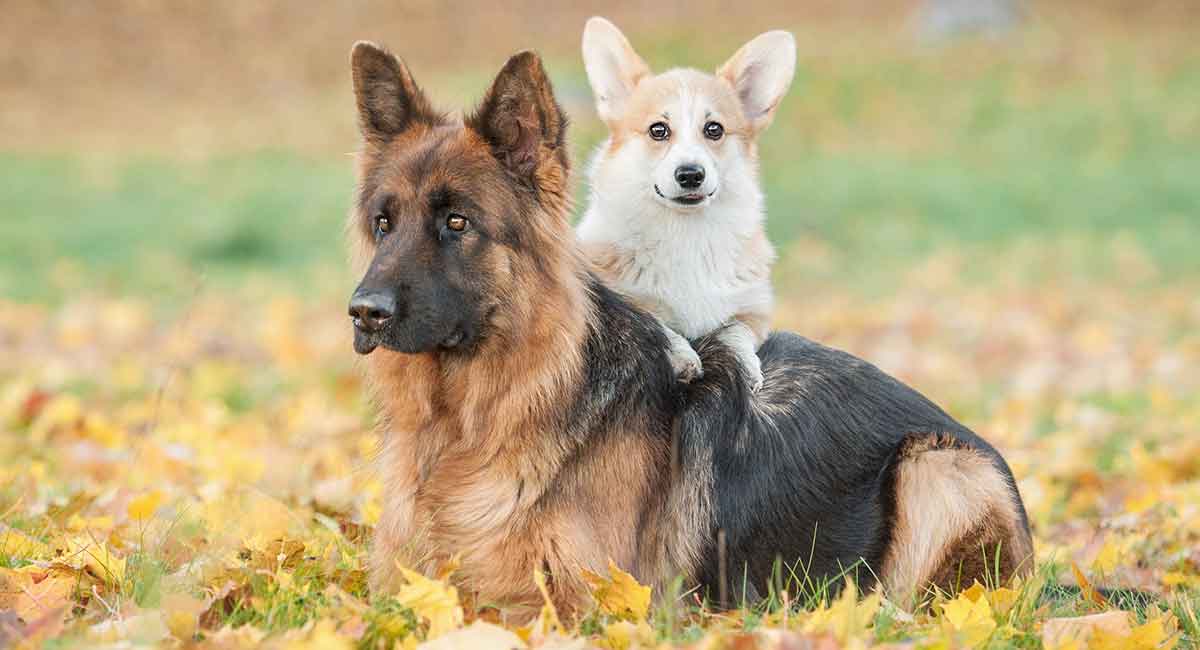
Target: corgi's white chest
(694,272)
(696,281)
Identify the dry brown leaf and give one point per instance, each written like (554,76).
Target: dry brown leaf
(1059,632)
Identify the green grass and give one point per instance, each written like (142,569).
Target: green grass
(162,227)
(883,159)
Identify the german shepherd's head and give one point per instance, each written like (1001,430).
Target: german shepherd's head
(460,224)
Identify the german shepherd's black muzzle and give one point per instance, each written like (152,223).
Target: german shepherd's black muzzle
(413,314)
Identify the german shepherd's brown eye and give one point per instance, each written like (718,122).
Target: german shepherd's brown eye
(713,130)
(383,225)
(659,131)
(456,222)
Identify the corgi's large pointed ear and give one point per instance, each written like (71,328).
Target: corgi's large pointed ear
(760,72)
(389,101)
(613,67)
(524,125)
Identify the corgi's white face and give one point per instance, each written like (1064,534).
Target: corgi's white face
(683,140)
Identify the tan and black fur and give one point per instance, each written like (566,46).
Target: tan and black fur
(532,421)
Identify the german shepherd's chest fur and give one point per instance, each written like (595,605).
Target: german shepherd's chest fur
(528,474)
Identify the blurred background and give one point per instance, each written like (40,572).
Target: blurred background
(149,146)
(997,201)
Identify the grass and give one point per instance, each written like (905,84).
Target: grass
(881,159)
(156,227)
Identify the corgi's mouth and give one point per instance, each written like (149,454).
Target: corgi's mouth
(690,199)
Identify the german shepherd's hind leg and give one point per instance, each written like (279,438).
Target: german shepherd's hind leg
(957,519)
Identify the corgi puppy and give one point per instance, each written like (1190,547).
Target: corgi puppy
(676,215)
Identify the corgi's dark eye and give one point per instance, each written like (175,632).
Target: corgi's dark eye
(714,130)
(456,222)
(659,131)
(383,225)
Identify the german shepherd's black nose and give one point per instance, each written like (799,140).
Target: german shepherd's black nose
(689,177)
(371,310)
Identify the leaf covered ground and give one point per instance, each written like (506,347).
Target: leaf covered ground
(203,476)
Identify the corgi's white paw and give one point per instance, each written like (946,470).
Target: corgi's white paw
(752,366)
(756,381)
(686,363)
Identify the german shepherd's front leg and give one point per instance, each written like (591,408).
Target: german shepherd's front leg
(399,538)
(743,334)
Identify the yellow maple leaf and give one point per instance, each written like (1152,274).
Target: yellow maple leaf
(1148,636)
(1142,502)
(1109,557)
(1086,631)
(432,600)
(1003,599)
(1065,644)
(102,430)
(547,622)
(79,523)
(970,621)
(15,544)
(143,507)
(1153,633)
(321,635)
(479,634)
(181,614)
(975,592)
(619,594)
(845,618)
(32,592)
(622,635)
(1178,578)
(95,557)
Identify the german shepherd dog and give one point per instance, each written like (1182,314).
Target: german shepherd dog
(532,420)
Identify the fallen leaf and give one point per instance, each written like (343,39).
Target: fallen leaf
(1063,632)
(1087,590)
(547,623)
(969,621)
(624,634)
(143,507)
(845,618)
(15,544)
(1003,599)
(33,592)
(434,601)
(476,635)
(619,594)
(181,614)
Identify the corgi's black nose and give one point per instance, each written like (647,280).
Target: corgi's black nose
(689,177)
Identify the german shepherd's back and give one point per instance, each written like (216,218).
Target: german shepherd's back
(532,421)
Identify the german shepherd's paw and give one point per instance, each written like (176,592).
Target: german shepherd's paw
(686,363)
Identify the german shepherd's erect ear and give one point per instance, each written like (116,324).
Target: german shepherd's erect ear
(389,101)
(524,125)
